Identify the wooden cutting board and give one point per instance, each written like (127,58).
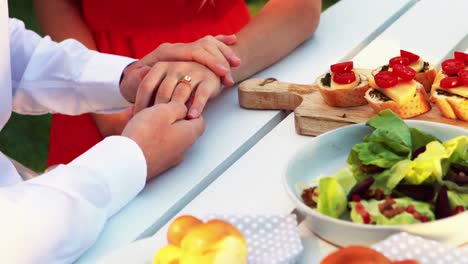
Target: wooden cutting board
(312,115)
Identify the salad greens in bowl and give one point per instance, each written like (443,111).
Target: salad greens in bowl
(361,183)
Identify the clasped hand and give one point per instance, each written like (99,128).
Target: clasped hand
(155,78)
(161,130)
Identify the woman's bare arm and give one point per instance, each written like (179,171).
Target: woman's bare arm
(62,19)
(278,28)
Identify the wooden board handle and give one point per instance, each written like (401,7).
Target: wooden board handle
(272,94)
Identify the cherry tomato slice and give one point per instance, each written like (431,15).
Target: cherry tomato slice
(386,79)
(342,67)
(463,76)
(461,56)
(344,77)
(450,82)
(452,66)
(404,72)
(399,60)
(411,56)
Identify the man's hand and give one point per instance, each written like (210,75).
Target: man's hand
(163,135)
(213,52)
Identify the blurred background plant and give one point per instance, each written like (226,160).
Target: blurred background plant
(26,138)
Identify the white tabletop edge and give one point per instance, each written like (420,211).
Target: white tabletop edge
(214,175)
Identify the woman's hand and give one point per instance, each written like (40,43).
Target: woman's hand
(163,84)
(213,52)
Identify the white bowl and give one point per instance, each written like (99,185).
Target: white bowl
(327,154)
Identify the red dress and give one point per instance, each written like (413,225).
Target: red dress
(134,28)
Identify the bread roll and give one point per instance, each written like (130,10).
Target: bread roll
(193,241)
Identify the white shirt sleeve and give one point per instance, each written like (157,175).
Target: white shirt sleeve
(62,77)
(54,218)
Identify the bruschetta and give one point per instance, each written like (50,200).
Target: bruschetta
(343,86)
(399,91)
(425,72)
(450,88)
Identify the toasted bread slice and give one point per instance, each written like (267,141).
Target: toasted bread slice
(416,106)
(436,84)
(451,106)
(344,97)
(427,78)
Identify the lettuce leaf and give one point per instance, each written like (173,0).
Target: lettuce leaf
(455,187)
(387,145)
(427,167)
(420,139)
(374,153)
(389,125)
(346,179)
(372,206)
(456,199)
(457,151)
(432,164)
(332,198)
(389,179)
(355,166)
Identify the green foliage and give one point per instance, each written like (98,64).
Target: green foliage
(23,9)
(256,5)
(26,139)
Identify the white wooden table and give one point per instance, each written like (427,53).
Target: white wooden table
(237,165)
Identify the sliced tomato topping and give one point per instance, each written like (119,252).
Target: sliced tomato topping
(411,56)
(450,82)
(463,76)
(404,72)
(386,79)
(342,67)
(461,56)
(344,77)
(399,60)
(452,66)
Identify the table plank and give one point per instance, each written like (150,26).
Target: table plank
(250,186)
(253,184)
(231,131)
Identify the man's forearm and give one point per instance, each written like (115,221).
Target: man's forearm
(277,29)
(42,71)
(70,204)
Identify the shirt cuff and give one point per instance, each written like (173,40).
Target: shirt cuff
(109,175)
(121,163)
(101,77)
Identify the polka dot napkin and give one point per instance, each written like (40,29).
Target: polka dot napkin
(405,246)
(271,239)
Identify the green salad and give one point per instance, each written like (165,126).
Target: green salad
(396,175)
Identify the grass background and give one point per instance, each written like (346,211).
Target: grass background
(26,138)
